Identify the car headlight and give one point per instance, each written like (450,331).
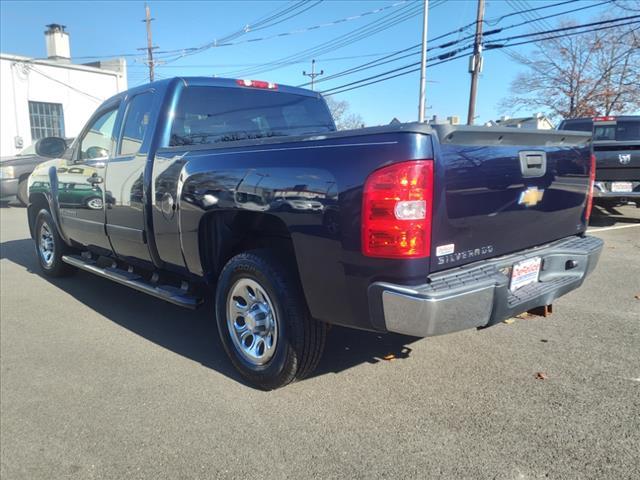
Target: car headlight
(7,172)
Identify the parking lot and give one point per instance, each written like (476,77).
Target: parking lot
(98,381)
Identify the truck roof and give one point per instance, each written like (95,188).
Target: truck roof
(211,82)
(617,117)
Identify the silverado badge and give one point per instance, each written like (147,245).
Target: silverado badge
(625,158)
(530,197)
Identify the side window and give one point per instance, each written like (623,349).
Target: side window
(136,123)
(98,140)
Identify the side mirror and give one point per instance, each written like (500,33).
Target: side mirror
(97,153)
(51,147)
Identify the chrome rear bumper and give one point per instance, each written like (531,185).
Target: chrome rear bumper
(478,295)
(603,190)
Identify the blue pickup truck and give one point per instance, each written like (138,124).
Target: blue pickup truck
(243,191)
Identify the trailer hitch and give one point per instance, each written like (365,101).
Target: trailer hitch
(544,311)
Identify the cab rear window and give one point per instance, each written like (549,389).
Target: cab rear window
(622,131)
(577,125)
(211,115)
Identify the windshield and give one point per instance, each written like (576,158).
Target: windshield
(207,115)
(622,131)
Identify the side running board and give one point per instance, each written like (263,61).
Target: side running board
(175,295)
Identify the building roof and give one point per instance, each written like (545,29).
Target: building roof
(517,119)
(53,63)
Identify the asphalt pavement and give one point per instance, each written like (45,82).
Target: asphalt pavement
(99,381)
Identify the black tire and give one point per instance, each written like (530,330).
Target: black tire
(23,192)
(300,339)
(55,267)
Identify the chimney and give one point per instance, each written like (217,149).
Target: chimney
(57,43)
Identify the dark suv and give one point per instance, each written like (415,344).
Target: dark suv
(616,145)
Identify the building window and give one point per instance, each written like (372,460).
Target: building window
(47,120)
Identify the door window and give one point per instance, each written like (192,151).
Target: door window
(136,123)
(98,140)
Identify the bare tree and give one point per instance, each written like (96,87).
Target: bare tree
(344,118)
(594,73)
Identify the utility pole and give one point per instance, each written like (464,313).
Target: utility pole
(423,63)
(149,48)
(313,73)
(475,65)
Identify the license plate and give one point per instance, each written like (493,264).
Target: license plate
(525,272)
(621,187)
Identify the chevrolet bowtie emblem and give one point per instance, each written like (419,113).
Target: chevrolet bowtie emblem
(530,197)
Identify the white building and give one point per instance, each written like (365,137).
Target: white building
(52,97)
(537,121)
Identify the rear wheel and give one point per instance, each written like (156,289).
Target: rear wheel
(264,323)
(50,247)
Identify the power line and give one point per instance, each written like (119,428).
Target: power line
(388,58)
(216,43)
(385,22)
(497,46)
(318,2)
(71,87)
(258,24)
(459,53)
(494,21)
(229,65)
(563,29)
(434,64)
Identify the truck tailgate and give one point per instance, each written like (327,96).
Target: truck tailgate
(501,190)
(617,160)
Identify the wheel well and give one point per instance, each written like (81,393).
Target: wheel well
(225,234)
(37,201)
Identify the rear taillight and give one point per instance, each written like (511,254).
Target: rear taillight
(604,119)
(396,211)
(257,84)
(592,179)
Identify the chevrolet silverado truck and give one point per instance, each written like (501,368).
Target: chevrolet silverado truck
(616,145)
(243,192)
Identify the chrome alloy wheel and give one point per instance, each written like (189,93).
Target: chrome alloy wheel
(95,204)
(46,244)
(252,322)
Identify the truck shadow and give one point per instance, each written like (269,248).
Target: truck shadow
(193,334)
(600,217)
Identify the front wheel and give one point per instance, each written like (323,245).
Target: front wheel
(264,323)
(50,247)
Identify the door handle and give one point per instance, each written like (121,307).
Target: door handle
(533,163)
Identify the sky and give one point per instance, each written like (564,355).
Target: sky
(115,28)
